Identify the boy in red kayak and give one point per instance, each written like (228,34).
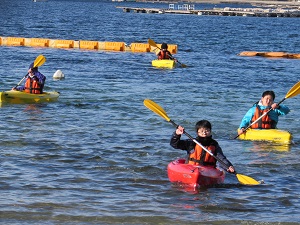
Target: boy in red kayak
(197,155)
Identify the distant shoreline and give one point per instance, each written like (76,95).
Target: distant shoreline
(278,3)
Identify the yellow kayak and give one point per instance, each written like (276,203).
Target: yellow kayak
(164,63)
(274,135)
(19,97)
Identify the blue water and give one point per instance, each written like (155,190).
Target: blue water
(98,156)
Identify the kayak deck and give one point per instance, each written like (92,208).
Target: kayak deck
(20,97)
(164,63)
(193,175)
(273,135)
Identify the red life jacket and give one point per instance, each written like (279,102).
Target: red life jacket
(264,123)
(200,156)
(32,86)
(164,55)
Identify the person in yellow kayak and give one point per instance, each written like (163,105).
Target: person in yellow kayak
(34,82)
(196,155)
(270,120)
(164,53)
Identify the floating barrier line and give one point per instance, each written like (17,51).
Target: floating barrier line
(81,44)
(271,54)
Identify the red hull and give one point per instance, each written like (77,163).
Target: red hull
(178,171)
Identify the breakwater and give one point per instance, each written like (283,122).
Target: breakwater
(227,11)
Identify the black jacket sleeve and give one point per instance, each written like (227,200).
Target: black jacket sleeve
(175,142)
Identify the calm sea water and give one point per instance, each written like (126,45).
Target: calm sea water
(98,156)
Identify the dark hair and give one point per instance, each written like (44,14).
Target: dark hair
(269,93)
(164,46)
(203,124)
(33,68)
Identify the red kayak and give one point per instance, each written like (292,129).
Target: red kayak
(193,175)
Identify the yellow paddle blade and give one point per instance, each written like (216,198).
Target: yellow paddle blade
(156,108)
(40,60)
(156,50)
(152,43)
(294,91)
(243,179)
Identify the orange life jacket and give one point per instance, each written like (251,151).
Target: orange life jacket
(32,86)
(164,55)
(264,123)
(200,156)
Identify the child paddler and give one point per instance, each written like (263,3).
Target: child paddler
(197,155)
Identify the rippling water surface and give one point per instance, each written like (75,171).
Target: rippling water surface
(98,156)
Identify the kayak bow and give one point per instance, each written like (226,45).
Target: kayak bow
(195,176)
(273,135)
(20,97)
(164,63)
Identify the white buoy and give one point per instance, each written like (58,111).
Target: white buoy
(58,75)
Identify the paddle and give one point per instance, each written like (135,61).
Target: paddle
(152,43)
(294,91)
(161,112)
(39,61)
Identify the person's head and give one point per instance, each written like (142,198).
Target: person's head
(203,128)
(267,98)
(34,69)
(164,46)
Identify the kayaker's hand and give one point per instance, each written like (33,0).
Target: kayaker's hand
(241,131)
(179,130)
(231,169)
(14,89)
(275,106)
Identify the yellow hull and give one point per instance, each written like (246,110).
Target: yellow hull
(164,63)
(20,97)
(274,135)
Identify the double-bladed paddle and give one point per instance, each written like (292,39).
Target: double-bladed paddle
(39,61)
(153,44)
(294,91)
(243,179)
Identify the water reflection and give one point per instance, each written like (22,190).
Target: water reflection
(203,189)
(268,147)
(264,146)
(33,108)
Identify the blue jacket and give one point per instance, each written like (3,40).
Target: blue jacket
(282,110)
